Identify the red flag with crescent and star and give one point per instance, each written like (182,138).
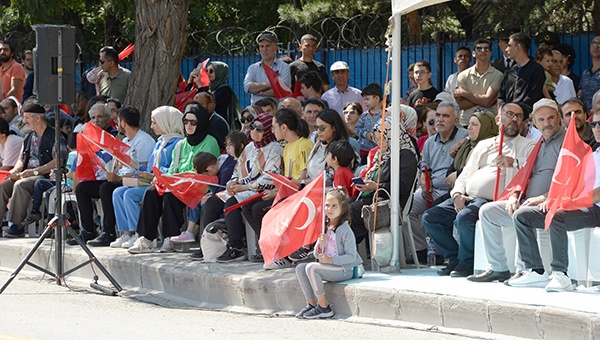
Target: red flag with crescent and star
(295,222)
(574,176)
(285,187)
(188,187)
(103,140)
(279,87)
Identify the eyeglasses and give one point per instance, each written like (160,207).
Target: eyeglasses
(258,128)
(431,122)
(511,115)
(349,112)
(482,48)
(320,128)
(594,124)
(574,112)
(595,43)
(194,122)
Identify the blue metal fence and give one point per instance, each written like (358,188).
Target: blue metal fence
(369,65)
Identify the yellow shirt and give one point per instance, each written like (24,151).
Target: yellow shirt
(295,157)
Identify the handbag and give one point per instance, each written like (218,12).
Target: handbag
(383,213)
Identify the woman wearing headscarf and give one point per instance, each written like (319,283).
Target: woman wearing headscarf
(195,122)
(249,177)
(482,125)
(381,170)
(167,124)
(227,104)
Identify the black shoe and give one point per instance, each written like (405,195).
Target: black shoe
(462,270)
(489,276)
(32,218)
(447,270)
(258,258)
(197,256)
(15,231)
(83,234)
(103,240)
(230,255)
(301,254)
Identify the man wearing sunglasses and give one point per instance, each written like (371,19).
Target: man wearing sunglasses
(477,87)
(256,82)
(111,79)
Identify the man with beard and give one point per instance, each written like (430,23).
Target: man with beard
(473,188)
(12,74)
(574,107)
(499,214)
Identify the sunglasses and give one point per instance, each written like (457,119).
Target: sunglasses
(258,128)
(594,123)
(482,48)
(320,128)
(194,122)
(247,119)
(431,122)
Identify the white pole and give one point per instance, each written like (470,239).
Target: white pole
(396,228)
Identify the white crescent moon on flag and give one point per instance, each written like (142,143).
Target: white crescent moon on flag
(563,153)
(311,213)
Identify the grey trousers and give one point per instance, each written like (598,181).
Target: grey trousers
(493,217)
(311,276)
(21,192)
(528,220)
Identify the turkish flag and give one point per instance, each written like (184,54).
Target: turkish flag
(281,89)
(574,176)
(183,97)
(285,187)
(88,164)
(297,89)
(521,179)
(126,51)
(188,187)
(4,174)
(294,222)
(109,143)
(203,74)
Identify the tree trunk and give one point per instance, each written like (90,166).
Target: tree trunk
(160,37)
(596,15)
(414,27)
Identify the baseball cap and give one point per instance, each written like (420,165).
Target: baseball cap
(267,35)
(544,102)
(444,97)
(339,65)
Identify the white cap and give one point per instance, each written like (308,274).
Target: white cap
(444,97)
(339,65)
(545,102)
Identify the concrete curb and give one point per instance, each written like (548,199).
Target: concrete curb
(245,287)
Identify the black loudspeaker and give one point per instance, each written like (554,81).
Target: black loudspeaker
(54,64)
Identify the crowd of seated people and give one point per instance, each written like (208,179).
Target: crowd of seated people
(453,142)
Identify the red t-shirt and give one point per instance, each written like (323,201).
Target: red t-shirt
(13,71)
(342,177)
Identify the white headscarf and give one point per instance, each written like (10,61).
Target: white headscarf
(170,121)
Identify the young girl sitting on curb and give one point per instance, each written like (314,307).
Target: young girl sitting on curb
(337,256)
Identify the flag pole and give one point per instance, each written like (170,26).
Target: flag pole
(323,218)
(498,172)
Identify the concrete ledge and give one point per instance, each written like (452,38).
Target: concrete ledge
(245,286)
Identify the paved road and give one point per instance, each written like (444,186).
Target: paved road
(36,308)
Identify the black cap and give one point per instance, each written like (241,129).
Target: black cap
(268,35)
(547,38)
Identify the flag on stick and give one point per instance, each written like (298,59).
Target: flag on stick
(281,89)
(188,187)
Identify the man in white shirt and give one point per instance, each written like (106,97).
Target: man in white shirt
(462,59)
(342,93)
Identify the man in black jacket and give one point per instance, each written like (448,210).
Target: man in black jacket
(37,161)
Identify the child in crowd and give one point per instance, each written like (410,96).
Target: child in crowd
(372,95)
(543,56)
(337,256)
(339,157)
(235,142)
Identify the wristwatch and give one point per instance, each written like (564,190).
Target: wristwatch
(516,164)
(36,172)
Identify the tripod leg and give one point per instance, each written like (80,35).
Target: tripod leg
(93,258)
(45,234)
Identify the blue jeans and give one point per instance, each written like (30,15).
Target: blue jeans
(439,221)
(126,201)
(40,186)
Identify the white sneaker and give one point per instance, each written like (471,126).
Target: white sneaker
(167,246)
(129,243)
(278,264)
(559,283)
(529,279)
(141,246)
(118,243)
